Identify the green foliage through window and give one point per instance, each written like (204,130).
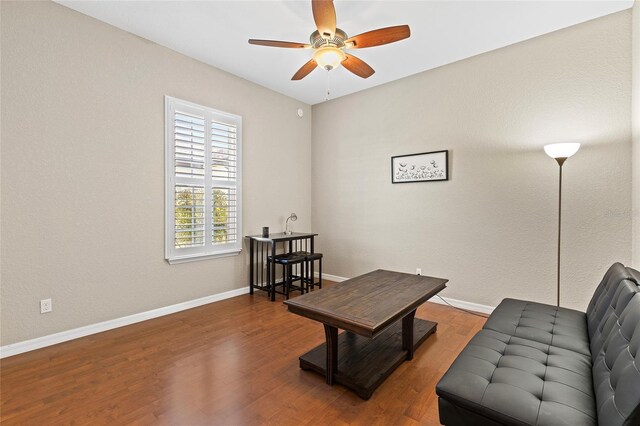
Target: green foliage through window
(190,216)
(190,220)
(220,215)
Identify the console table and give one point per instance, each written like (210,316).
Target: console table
(377,311)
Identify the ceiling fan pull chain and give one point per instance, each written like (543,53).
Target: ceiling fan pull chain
(328,89)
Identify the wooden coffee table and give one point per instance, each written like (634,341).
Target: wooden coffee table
(377,311)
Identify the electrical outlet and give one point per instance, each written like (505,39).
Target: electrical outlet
(418,271)
(46,306)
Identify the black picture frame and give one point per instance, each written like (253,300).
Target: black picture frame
(430,166)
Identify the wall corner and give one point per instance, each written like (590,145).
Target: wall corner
(635,133)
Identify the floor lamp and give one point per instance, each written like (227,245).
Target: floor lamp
(560,152)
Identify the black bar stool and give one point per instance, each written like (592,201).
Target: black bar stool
(309,259)
(288,261)
(301,248)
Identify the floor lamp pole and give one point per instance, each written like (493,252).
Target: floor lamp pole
(560,152)
(560,161)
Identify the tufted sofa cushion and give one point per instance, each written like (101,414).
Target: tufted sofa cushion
(609,294)
(616,363)
(536,364)
(599,332)
(520,381)
(560,327)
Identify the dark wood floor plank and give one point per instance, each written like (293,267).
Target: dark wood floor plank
(230,362)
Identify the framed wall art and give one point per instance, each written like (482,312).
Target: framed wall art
(422,167)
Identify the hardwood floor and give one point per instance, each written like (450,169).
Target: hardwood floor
(233,362)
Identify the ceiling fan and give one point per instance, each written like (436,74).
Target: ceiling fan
(329,43)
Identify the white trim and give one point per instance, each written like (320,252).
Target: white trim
(63,336)
(462,304)
(330,277)
(196,257)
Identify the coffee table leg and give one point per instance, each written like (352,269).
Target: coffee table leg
(331,334)
(407,334)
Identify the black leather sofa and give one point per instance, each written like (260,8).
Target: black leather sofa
(536,364)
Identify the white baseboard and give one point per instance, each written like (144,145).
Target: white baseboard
(63,336)
(462,304)
(330,277)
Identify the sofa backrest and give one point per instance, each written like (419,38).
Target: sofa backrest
(612,295)
(613,317)
(616,375)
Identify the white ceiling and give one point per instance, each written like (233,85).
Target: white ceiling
(216,32)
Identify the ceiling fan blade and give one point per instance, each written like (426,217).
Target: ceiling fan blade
(324,14)
(305,70)
(276,43)
(357,66)
(379,37)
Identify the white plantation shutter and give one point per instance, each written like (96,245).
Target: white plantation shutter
(224,173)
(203,182)
(189,162)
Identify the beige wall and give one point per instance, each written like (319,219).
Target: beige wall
(635,125)
(492,228)
(83,170)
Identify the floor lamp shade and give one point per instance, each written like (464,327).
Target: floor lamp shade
(560,152)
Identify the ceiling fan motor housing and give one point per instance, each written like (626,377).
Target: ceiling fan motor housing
(317,40)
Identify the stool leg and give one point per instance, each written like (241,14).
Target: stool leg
(269,289)
(284,280)
(320,273)
(287,282)
(304,284)
(310,283)
(272,281)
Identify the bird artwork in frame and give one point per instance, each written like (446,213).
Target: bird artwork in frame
(422,167)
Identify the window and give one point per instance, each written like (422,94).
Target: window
(203,182)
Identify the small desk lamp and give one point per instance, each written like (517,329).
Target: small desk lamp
(293,218)
(560,152)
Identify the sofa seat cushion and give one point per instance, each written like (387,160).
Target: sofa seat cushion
(558,327)
(512,380)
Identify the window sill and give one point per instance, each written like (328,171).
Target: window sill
(197,257)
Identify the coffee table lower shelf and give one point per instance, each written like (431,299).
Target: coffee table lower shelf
(363,363)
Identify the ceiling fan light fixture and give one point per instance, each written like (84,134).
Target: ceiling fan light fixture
(329,57)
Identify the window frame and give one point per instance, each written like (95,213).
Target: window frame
(209,250)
